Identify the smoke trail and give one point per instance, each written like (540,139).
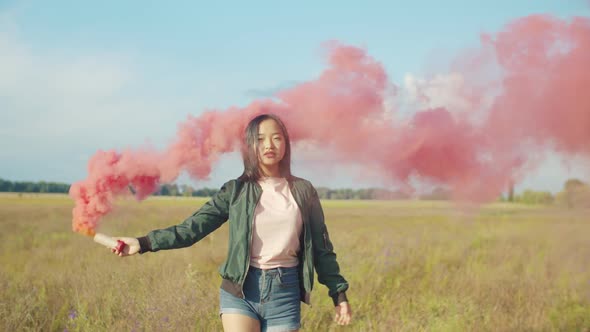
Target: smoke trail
(539,67)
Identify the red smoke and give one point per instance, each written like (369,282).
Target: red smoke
(537,101)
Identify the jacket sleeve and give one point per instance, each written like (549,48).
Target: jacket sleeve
(324,256)
(204,221)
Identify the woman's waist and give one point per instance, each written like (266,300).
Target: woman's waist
(279,270)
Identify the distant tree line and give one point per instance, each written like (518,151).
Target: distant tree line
(370,193)
(173,189)
(33,187)
(323,193)
(575,193)
(55,187)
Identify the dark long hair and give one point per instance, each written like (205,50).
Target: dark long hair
(252,171)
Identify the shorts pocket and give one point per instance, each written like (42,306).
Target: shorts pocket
(289,279)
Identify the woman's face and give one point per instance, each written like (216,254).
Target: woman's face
(271,145)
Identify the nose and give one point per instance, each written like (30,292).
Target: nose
(268,144)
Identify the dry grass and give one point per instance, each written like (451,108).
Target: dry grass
(413,266)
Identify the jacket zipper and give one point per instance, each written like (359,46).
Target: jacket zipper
(303,263)
(249,247)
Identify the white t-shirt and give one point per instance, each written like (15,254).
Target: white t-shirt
(277,226)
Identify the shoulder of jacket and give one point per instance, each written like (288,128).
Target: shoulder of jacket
(233,184)
(302,183)
(237,185)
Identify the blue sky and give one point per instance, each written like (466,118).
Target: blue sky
(78,76)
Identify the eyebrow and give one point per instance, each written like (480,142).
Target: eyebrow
(261,134)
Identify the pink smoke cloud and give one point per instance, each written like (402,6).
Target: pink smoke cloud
(541,63)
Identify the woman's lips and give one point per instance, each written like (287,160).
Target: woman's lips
(270,154)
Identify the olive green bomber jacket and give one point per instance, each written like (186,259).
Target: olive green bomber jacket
(236,202)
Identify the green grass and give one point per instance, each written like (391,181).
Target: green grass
(412,266)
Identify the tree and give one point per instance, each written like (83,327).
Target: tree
(6,186)
(33,187)
(535,197)
(323,192)
(511,191)
(164,191)
(204,192)
(187,190)
(438,193)
(575,193)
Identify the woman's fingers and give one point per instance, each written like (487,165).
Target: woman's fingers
(343,319)
(125,251)
(343,314)
(346,319)
(117,252)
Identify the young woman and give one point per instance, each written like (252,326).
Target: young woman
(277,236)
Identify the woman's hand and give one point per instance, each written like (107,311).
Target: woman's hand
(343,314)
(131,248)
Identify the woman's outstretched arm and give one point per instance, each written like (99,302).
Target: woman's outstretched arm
(204,221)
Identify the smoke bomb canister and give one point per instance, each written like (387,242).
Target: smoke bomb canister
(109,242)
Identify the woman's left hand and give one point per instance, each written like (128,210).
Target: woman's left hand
(343,314)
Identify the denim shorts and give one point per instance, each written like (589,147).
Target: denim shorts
(272,297)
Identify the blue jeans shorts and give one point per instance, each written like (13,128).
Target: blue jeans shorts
(272,297)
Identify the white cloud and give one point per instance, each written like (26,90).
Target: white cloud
(48,90)
(62,94)
(554,171)
(442,90)
(56,105)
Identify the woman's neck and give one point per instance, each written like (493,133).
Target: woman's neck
(273,172)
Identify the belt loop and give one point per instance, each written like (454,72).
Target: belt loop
(280,269)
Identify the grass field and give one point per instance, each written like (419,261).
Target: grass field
(412,266)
